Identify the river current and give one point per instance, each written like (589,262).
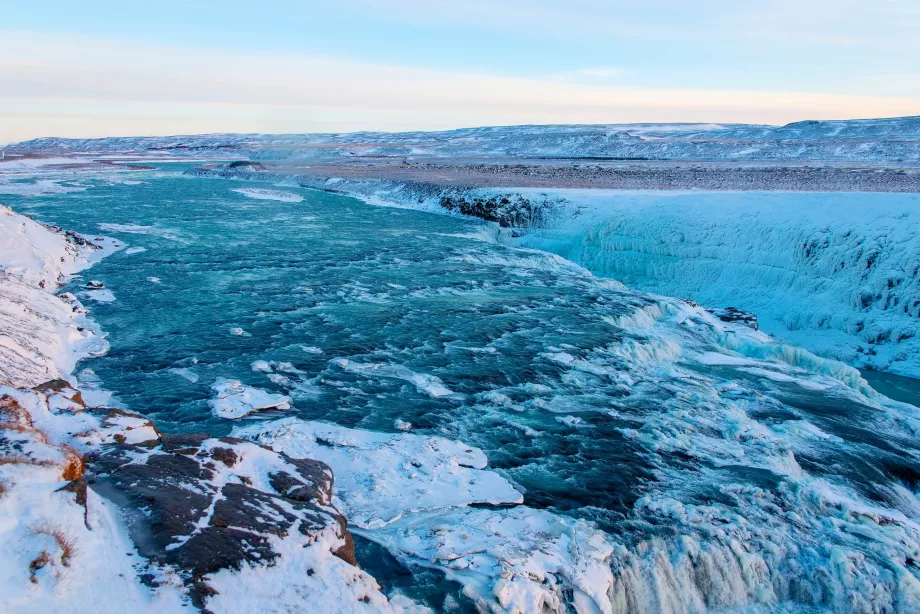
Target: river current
(731,470)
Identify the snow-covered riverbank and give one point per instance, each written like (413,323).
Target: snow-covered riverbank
(66,548)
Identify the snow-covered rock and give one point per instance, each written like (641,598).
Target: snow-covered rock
(65,547)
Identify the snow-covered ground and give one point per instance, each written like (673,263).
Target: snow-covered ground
(42,336)
(61,550)
(863,140)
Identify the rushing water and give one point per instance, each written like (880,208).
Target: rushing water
(565,380)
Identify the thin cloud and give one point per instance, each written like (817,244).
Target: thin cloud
(85,85)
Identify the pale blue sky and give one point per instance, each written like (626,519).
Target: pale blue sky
(105,67)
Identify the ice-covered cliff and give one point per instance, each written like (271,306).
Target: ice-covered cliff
(836,273)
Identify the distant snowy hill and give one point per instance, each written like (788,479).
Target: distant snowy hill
(871,140)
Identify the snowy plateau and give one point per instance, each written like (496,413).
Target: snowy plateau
(594,369)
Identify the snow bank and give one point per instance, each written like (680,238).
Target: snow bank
(66,549)
(836,273)
(42,335)
(234,400)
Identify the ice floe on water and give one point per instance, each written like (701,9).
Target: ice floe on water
(234,400)
(140,229)
(379,477)
(186,374)
(515,560)
(267,194)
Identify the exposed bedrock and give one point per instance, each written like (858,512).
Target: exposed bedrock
(194,505)
(200,504)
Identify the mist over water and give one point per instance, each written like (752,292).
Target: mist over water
(726,479)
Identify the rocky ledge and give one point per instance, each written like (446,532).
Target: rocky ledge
(199,510)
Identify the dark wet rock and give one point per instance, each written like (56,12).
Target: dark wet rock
(197,516)
(509,211)
(95,285)
(246,165)
(225,455)
(319,478)
(184,443)
(80,240)
(730,314)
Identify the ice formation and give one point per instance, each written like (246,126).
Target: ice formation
(834,273)
(380,477)
(234,400)
(429,384)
